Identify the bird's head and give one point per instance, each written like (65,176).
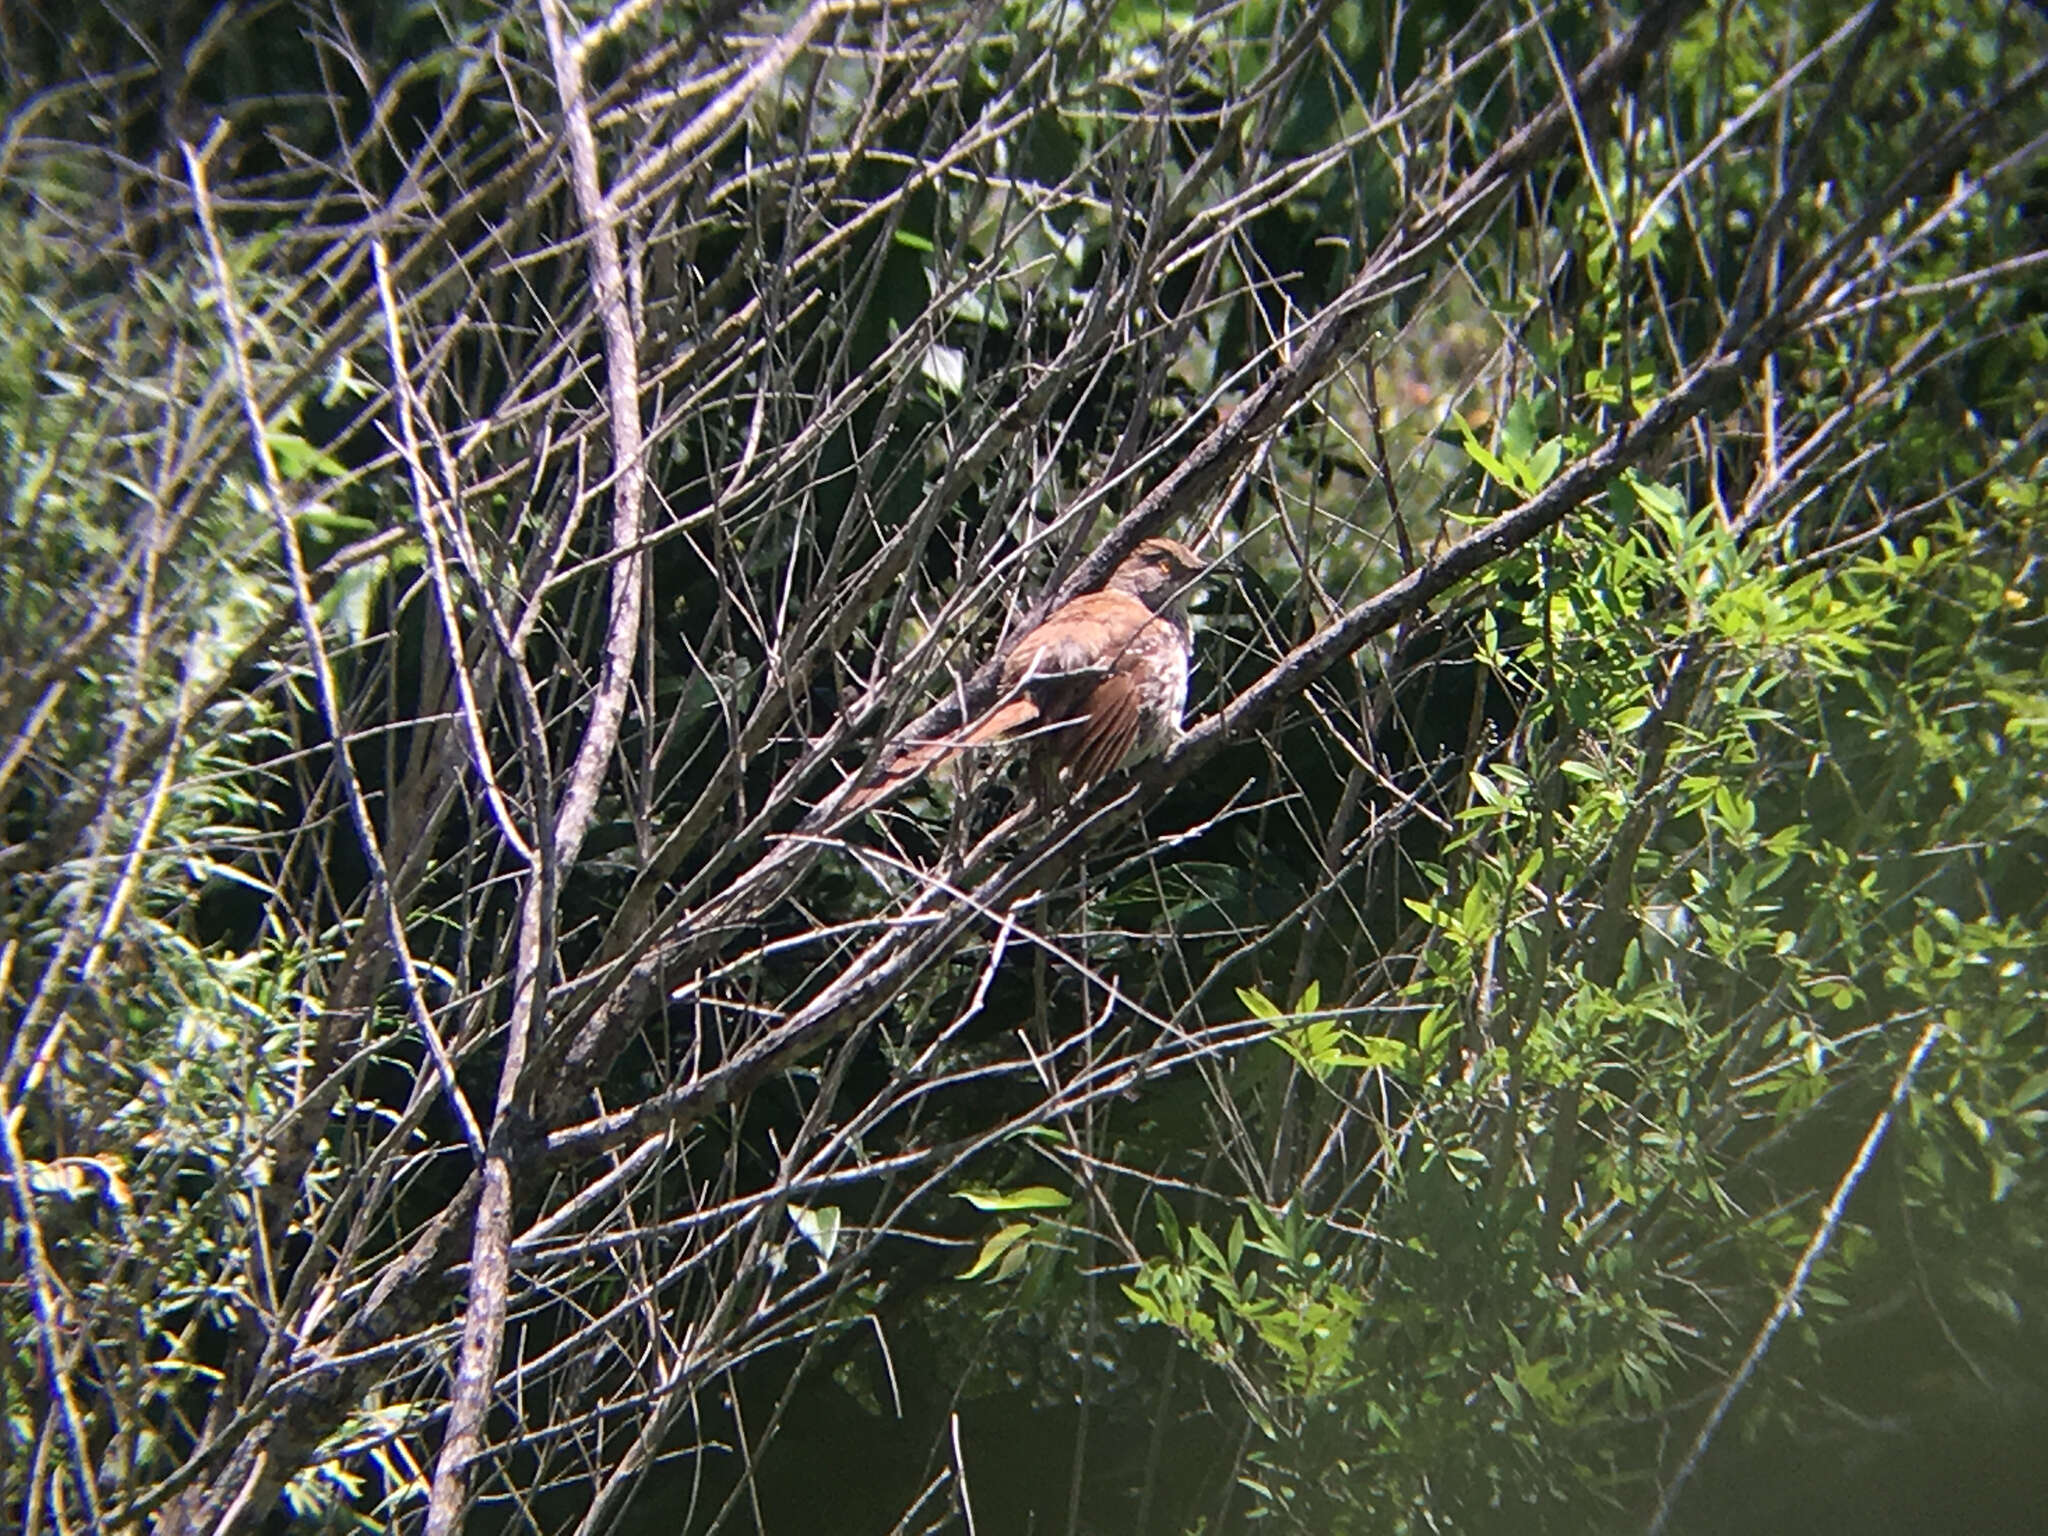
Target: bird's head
(1157,573)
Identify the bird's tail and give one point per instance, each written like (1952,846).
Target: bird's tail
(914,762)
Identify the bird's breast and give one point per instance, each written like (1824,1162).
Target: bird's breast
(1157,662)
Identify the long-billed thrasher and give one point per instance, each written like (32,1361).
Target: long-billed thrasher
(1100,683)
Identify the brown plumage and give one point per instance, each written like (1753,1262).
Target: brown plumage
(1101,682)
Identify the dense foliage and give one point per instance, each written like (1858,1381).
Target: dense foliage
(1557,1045)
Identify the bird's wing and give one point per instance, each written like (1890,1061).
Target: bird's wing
(1079,642)
(1098,742)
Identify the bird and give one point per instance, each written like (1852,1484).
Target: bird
(1099,683)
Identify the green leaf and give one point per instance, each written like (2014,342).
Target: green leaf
(1518,429)
(1035,1197)
(2004,1175)
(295,456)
(1495,468)
(348,600)
(2030,1090)
(1973,1122)
(1655,497)
(946,367)
(997,1249)
(1169,1224)
(820,1227)
(1374,1051)
(1261,1006)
